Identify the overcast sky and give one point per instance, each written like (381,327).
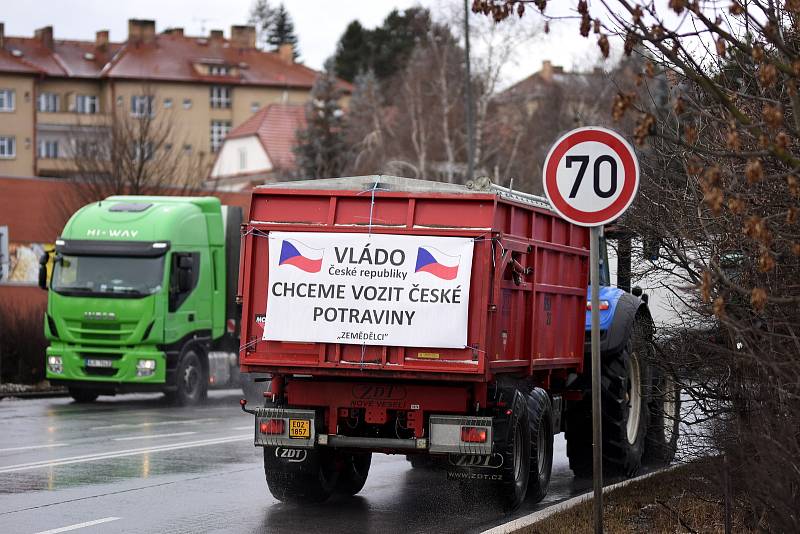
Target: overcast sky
(318,24)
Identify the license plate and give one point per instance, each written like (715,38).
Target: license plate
(92,362)
(299,428)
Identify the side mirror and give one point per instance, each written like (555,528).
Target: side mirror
(43,259)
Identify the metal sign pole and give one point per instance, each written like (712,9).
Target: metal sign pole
(597,430)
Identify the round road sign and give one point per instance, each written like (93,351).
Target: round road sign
(591,176)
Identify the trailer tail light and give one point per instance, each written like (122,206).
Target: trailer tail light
(272,426)
(603,305)
(473,434)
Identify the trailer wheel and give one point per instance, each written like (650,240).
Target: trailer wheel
(83,395)
(665,411)
(540,413)
(191,378)
(420,461)
(302,478)
(516,458)
(353,475)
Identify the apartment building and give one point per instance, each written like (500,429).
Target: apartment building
(54,92)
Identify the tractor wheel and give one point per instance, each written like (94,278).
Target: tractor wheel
(665,412)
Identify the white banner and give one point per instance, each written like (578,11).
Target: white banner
(378,289)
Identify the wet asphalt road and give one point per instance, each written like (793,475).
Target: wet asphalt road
(133,463)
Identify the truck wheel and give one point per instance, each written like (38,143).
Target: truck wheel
(625,414)
(82,395)
(663,430)
(516,459)
(191,377)
(353,475)
(540,413)
(303,478)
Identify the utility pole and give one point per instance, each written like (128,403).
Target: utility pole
(468,93)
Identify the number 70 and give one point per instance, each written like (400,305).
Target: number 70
(584,163)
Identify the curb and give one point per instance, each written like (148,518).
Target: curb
(35,394)
(535,517)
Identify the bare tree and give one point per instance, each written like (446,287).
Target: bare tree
(716,116)
(139,151)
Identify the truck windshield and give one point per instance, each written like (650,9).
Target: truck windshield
(107,275)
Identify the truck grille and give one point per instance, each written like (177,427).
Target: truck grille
(85,331)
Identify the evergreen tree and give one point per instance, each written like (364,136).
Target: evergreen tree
(261,15)
(353,52)
(384,50)
(281,31)
(321,150)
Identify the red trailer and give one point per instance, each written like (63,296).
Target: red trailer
(405,316)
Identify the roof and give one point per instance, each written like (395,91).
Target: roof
(275,126)
(168,57)
(537,84)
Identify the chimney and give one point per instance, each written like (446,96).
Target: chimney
(286,53)
(547,70)
(101,40)
(216,35)
(174,31)
(141,31)
(2,35)
(45,36)
(243,36)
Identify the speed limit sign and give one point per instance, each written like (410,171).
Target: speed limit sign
(591,176)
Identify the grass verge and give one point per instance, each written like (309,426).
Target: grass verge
(685,499)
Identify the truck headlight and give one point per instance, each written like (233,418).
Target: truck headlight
(145,367)
(55,365)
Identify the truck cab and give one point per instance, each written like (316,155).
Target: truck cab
(138,298)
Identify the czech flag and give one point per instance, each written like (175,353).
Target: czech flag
(304,258)
(430,260)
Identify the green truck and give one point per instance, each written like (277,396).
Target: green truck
(141,298)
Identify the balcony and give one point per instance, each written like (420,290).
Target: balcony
(72,119)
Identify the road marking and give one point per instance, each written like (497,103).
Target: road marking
(148,436)
(119,454)
(80,525)
(248,427)
(28,447)
(161,423)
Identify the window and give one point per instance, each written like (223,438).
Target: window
(187,103)
(167,103)
(47,149)
(219,70)
(87,104)
(49,103)
(255,106)
(242,159)
(187,149)
(219,129)
(8,147)
(167,147)
(141,106)
(6,100)
(142,151)
(220,96)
